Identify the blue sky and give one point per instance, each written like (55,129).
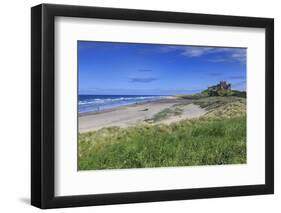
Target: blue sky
(156,69)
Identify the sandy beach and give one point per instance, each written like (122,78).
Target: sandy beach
(139,113)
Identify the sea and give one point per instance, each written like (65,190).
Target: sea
(95,103)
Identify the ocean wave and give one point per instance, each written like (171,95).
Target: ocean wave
(99,103)
(105,100)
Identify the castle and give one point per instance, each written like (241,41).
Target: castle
(221,86)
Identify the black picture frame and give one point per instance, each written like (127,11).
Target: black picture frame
(43,111)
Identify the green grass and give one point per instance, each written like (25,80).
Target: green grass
(214,102)
(172,111)
(219,93)
(223,107)
(210,140)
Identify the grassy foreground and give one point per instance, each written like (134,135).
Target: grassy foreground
(215,139)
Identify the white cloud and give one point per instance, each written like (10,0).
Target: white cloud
(196,51)
(227,54)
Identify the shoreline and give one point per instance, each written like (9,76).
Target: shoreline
(82,114)
(139,113)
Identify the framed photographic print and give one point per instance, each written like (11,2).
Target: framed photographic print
(139,106)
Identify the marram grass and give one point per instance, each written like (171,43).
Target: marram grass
(210,140)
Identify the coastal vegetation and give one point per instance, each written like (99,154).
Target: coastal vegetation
(218,137)
(168,112)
